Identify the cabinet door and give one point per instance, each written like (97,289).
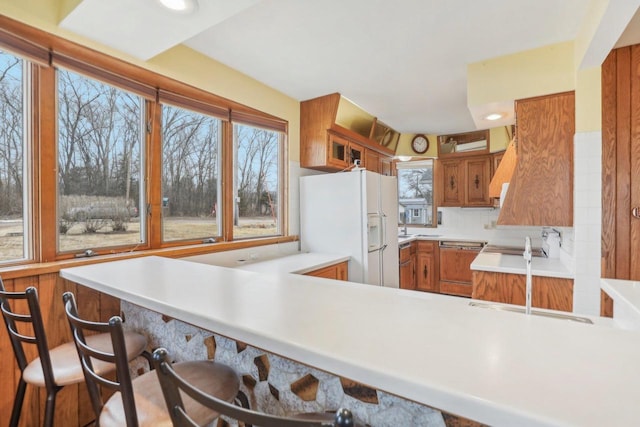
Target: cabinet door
(477,182)
(452,178)
(425,273)
(372,161)
(455,265)
(407,275)
(356,152)
(337,151)
(620,164)
(386,166)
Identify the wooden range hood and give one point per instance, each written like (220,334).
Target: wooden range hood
(505,170)
(540,190)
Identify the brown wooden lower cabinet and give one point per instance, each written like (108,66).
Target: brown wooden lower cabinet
(336,271)
(455,271)
(427,266)
(606,305)
(547,292)
(407,259)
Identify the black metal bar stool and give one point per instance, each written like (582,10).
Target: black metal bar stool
(53,368)
(173,382)
(140,401)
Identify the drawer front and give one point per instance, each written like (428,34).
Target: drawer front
(453,288)
(426,246)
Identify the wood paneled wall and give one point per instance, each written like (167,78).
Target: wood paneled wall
(72,404)
(621,163)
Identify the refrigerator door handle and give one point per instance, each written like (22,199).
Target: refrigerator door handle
(385,241)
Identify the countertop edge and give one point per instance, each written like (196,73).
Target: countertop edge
(300,263)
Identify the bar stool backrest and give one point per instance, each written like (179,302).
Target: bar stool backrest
(17,321)
(172,384)
(122,383)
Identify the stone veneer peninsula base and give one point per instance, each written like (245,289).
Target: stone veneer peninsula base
(275,384)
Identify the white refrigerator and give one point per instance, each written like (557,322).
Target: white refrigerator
(353,213)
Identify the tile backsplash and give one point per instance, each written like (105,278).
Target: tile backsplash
(480,223)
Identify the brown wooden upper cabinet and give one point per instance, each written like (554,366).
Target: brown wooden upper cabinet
(335,132)
(465,181)
(541,189)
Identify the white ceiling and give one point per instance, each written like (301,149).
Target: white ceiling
(403,61)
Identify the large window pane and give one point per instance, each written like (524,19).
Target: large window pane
(257,183)
(415,192)
(190,174)
(100,185)
(14,239)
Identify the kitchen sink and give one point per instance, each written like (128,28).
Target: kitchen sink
(555,315)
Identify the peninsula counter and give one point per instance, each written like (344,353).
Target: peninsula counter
(495,367)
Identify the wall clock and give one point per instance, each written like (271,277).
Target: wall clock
(420,144)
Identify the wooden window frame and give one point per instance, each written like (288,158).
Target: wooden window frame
(283,175)
(200,107)
(46,51)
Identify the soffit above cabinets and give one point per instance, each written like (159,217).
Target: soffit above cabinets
(144,28)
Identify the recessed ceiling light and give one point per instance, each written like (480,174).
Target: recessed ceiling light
(182,6)
(494,116)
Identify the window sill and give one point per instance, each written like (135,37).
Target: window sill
(25,270)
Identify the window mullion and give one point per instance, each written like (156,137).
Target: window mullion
(48,163)
(228,171)
(154,174)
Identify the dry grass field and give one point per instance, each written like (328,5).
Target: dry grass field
(76,239)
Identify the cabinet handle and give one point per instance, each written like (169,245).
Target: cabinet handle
(636,212)
(477,181)
(452,182)
(424,272)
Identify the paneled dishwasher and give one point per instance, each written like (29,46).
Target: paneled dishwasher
(455,266)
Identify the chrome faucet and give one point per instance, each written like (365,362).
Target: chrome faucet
(527,258)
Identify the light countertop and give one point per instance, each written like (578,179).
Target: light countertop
(515,264)
(495,367)
(438,237)
(300,263)
(501,263)
(626,301)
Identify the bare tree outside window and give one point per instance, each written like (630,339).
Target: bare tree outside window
(415,192)
(257,182)
(100,196)
(13,194)
(190,174)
